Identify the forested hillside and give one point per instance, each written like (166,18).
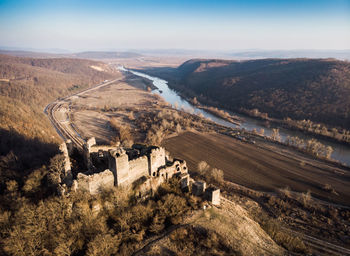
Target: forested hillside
(314,89)
(27,85)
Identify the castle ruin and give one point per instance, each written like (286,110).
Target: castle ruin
(144,166)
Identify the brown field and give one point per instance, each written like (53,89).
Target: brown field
(92,111)
(261,167)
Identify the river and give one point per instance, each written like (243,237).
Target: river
(341,152)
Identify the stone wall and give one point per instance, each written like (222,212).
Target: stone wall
(93,183)
(67,175)
(86,152)
(129,165)
(156,160)
(122,169)
(138,168)
(212,194)
(96,148)
(67,164)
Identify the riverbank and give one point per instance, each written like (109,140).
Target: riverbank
(340,153)
(305,126)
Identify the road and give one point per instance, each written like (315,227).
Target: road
(58,113)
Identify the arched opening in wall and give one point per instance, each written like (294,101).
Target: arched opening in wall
(154,174)
(178,168)
(166,176)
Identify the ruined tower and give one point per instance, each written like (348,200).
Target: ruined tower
(119,164)
(86,148)
(156,160)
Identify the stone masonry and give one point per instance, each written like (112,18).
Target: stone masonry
(144,168)
(148,164)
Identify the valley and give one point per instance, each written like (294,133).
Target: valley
(265,180)
(264,167)
(174,128)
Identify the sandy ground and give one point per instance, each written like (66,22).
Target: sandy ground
(257,168)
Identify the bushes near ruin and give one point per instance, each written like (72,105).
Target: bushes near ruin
(211,175)
(109,223)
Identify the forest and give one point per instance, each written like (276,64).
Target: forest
(310,89)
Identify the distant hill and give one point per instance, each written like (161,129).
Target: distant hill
(263,54)
(30,54)
(106,55)
(80,55)
(315,89)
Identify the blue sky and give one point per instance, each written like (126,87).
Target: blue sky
(168,24)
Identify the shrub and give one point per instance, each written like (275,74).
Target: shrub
(306,198)
(216,175)
(203,167)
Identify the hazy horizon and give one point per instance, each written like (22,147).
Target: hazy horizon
(160,50)
(197,25)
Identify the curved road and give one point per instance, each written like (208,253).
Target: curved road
(67,131)
(60,107)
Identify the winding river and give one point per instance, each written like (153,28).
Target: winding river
(341,152)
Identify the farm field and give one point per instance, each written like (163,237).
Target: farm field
(262,166)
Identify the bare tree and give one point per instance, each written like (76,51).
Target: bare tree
(276,135)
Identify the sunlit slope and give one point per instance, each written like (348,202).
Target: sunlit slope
(315,89)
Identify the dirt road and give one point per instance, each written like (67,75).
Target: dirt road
(57,112)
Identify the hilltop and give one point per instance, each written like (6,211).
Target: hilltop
(314,89)
(98,55)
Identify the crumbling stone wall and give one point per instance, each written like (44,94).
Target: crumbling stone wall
(138,168)
(93,183)
(156,160)
(86,152)
(67,175)
(164,173)
(119,164)
(128,166)
(212,194)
